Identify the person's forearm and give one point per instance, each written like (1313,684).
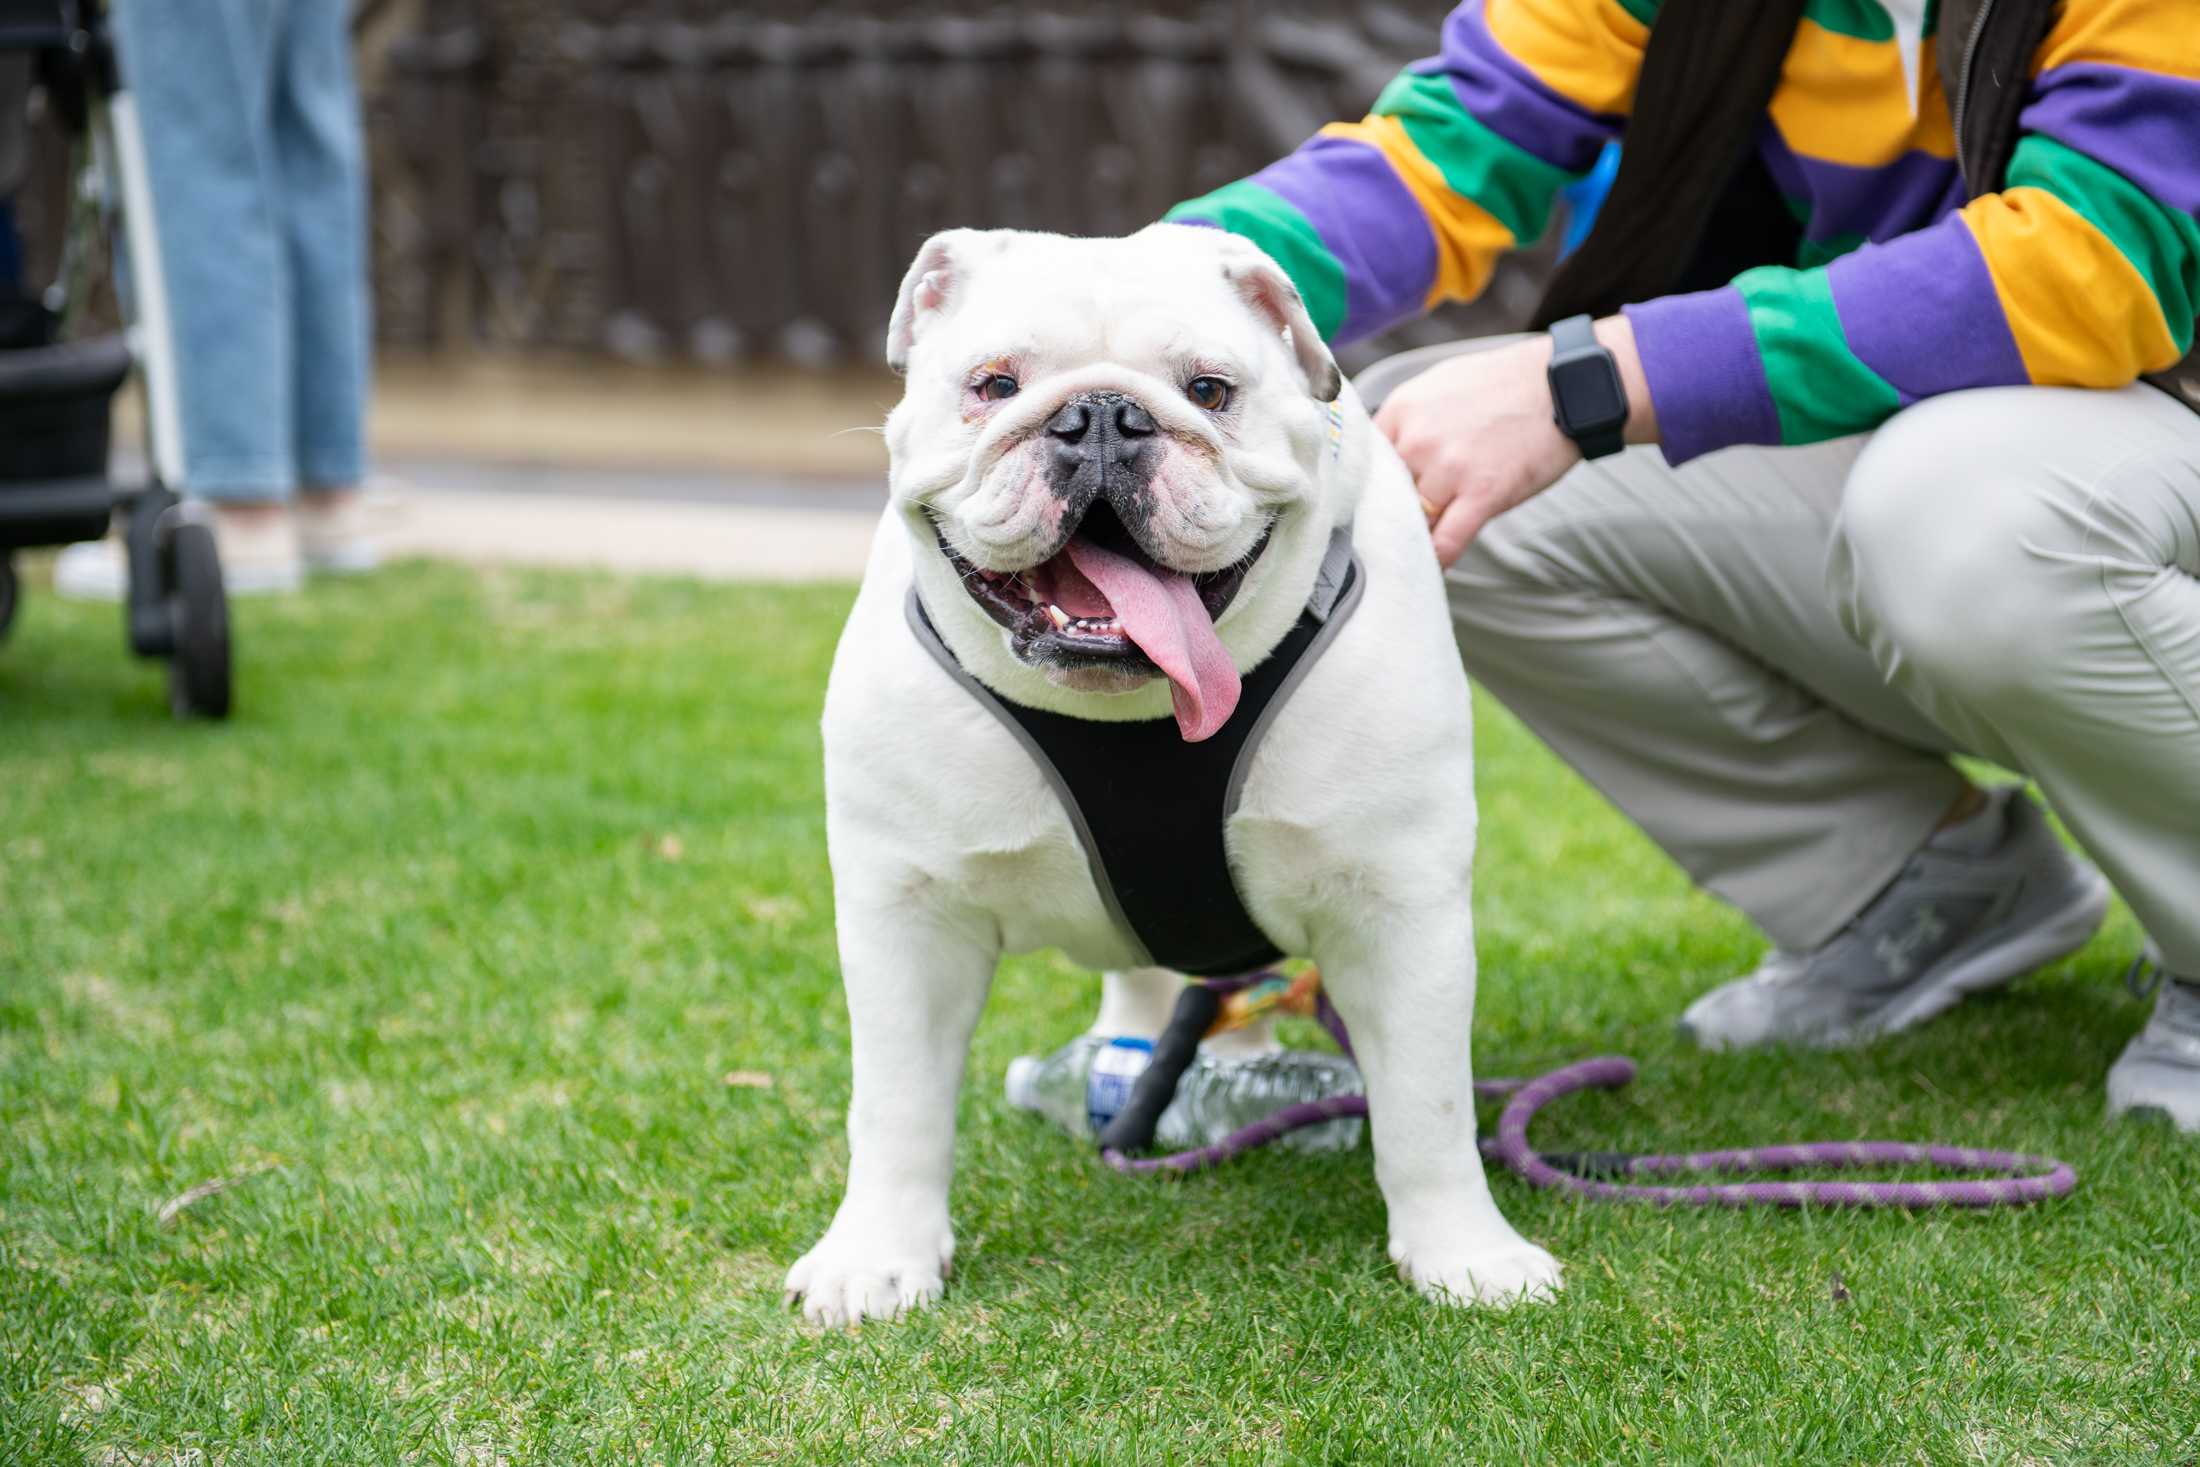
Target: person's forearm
(1478,433)
(1618,337)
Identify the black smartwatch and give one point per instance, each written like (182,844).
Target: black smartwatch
(1587,400)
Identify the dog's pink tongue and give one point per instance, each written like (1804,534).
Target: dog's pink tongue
(1161,611)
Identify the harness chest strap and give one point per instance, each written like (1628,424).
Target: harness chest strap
(1150,809)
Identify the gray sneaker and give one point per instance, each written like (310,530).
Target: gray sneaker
(1952,923)
(2158,1073)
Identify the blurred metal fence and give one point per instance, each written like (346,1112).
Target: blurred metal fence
(680,179)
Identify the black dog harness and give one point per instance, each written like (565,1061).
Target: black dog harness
(1150,809)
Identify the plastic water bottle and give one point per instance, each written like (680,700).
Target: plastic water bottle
(1065,1085)
(1083,1084)
(1217,1097)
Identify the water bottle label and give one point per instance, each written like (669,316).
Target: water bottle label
(1115,1069)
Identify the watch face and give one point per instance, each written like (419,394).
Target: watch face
(1589,394)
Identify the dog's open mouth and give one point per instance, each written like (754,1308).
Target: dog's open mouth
(1103,602)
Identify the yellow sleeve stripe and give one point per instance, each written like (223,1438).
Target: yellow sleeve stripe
(1468,237)
(1846,100)
(1587,51)
(2161,36)
(2081,313)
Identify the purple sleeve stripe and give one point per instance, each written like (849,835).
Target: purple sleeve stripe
(1512,101)
(1878,202)
(1707,379)
(2143,124)
(1921,311)
(1781,161)
(1368,219)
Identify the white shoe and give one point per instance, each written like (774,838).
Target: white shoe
(2159,1071)
(336,533)
(91,571)
(259,556)
(259,553)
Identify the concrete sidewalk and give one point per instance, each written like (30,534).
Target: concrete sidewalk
(750,473)
(712,526)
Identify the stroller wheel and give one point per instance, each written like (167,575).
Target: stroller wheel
(198,613)
(7,593)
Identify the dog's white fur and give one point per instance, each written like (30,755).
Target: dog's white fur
(1354,840)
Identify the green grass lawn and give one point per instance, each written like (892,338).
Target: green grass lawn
(463,947)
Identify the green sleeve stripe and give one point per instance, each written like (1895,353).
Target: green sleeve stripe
(1815,252)
(1819,388)
(1866,20)
(1264,217)
(1503,177)
(2161,244)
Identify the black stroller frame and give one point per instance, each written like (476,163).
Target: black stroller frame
(55,399)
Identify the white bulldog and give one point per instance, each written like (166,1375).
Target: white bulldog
(1117,466)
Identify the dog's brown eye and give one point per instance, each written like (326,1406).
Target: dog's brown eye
(1211,393)
(996,387)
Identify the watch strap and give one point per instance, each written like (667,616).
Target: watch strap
(1575,333)
(1602,443)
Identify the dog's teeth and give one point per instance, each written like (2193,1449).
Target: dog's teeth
(1059,617)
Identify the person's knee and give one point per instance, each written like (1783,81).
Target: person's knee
(1942,564)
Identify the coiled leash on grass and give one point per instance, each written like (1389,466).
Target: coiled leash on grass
(1210,1006)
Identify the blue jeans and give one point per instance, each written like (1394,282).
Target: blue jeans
(254,154)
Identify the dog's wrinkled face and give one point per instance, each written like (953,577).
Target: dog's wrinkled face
(1100,441)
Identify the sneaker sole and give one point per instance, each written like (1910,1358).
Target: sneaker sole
(263,580)
(2186,1122)
(2164,1094)
(72,590)
(2056,936)
(351,561)
(103,582)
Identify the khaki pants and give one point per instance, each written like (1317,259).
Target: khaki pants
(1765,657)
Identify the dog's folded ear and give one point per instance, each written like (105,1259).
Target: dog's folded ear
(935,277)
(1262,285)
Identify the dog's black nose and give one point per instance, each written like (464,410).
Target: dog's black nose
(1103,424)
(1102,442)
(1072,422)
(1110,409)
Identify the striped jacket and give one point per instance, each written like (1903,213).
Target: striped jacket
(2083,270)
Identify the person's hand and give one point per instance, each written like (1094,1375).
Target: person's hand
(1477,433)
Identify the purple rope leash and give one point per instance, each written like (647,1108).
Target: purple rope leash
(2023,1178)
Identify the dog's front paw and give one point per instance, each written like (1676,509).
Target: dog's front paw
(1498,1272)
(859,1272)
